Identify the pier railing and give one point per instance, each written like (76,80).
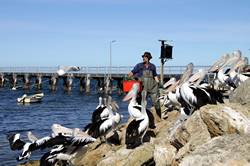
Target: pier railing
(96,70)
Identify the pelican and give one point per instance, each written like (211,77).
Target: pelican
(59,129)
(77,139)
(105,124)
(172,99)
(193,97)
(237,77)
(169,83)
(133,107)
(137,128)
(233,58)
(219,63)
(66,152)
(101,112)
(15,142)
(187,73)
(64,69)
(198,77)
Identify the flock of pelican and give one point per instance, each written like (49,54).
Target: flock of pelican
(194,90)
(189,93)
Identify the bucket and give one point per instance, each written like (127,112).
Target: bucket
(127,85)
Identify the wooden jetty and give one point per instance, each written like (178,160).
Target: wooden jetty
(22,76)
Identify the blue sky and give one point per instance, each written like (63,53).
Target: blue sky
(78,32)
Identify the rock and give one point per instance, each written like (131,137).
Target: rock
(94,154)
(136,157)
(164,155)
(226,119)
(192,133)
(241,94)
(30,163)
(222,150)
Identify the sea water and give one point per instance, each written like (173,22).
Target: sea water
(70,109)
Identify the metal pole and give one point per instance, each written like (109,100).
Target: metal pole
(162,71)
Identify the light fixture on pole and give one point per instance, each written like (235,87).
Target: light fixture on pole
(166,53)
(110,56)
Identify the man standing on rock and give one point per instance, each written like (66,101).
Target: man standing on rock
(146,73)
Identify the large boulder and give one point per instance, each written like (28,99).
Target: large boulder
(192,133)
(136,157)
(226,119)
(241,94)
(223,150)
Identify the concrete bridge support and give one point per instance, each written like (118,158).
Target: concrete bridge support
(119,86)
(14,80)
(87,80)
(53,82)
(82,84)
(26,80)
(38,81)
(108,85)
(67,82)
(2,80)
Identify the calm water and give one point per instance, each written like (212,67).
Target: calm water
(68,109)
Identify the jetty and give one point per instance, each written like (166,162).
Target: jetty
(25,77)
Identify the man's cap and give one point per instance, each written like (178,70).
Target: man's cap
(147,54)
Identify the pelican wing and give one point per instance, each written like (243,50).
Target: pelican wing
(59,129)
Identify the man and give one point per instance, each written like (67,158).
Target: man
(146,72)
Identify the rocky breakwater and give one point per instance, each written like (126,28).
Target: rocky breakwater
(214,135)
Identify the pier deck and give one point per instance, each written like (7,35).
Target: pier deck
(12,75)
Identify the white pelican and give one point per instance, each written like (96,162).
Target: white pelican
(133,108)
(75,140)
(103,124)
(193,97)
(137,128)
(186,74)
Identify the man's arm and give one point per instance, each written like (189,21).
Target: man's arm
(134,71)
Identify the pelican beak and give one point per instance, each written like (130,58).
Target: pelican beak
(132,92)
(130,95)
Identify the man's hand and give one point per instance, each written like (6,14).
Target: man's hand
(130,74)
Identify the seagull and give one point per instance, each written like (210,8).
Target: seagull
(64,69)
(31,137)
